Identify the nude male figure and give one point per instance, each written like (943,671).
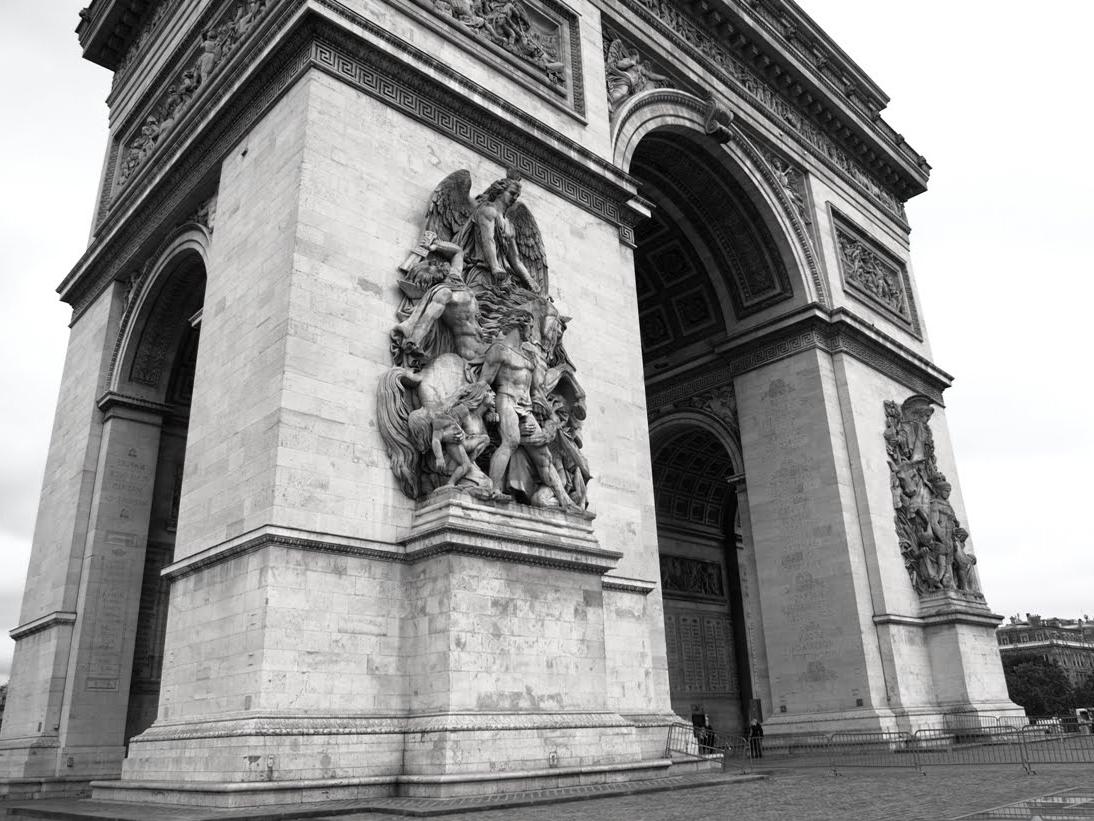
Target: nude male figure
(513,370)
(447,300)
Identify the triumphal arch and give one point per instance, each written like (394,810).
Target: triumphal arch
(462,391)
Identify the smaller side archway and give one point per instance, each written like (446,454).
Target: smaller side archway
(696,472)
(161,314)
(145,422)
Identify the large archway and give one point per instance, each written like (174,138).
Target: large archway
(711,259)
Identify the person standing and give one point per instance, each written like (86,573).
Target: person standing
(755,739)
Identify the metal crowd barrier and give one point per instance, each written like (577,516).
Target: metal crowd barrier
(961,741)
(685,741)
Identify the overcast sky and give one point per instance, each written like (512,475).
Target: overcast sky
(997,101)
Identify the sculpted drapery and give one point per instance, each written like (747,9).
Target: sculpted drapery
(482,395)
(932,540)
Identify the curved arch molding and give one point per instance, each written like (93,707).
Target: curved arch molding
(669,108)
(153,298)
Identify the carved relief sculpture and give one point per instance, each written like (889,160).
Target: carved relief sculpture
(932,540)
(217,43)
(628,73)
(159,13)
(792,180)
(482,396)
(869,272)
(514,26)
(680,574)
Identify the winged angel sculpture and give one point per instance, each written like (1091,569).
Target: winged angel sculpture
(482,395)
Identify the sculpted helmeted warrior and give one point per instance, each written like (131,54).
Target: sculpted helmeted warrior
(476,314)
(931,538)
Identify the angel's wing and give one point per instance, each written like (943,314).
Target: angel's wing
(529,244)
(616,52)
(450,205)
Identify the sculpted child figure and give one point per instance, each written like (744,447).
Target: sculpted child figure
(456,434)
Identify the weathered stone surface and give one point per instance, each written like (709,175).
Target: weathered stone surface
(347,618)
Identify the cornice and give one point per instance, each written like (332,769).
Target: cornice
(1026,646)
(112,401)
(624,584)
(272,536)
(377,63)
(785,24)
(108,27)
(42,623)
(151,26)
(969,617)
(789,24)
(811,328)
(727,38)
(451,523)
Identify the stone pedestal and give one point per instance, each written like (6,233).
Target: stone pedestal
(965,664)
(493,669)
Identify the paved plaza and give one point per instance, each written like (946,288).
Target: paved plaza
(785,795)
(813,795)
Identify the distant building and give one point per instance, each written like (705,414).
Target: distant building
(1068,642)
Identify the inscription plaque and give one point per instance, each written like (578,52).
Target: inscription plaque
(699,654)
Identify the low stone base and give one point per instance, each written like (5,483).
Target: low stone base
(20,789)
(941,717)
(229,795)
(480,784)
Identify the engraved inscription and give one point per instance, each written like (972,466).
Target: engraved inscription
(700,655)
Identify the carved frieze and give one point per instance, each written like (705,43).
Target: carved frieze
(873,275)
(628,72)
(151,27)
(721,402)
(483,396)
(931,539)
(504,138)
(217,43)
(530,33)
(698,40)
(691,577)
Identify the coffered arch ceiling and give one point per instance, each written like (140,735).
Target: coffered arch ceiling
(691,470)
(705,258)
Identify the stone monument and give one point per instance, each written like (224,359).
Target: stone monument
(332,509)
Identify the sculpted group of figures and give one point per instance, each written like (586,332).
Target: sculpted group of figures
(932,540)
(507,23)
(216,43)
(482,395)
(864,268)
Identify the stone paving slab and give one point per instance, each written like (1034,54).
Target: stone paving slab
(940,794)
(813,795)
(1075,804)
(88,810)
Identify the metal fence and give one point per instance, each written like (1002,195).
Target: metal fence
(960,741)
